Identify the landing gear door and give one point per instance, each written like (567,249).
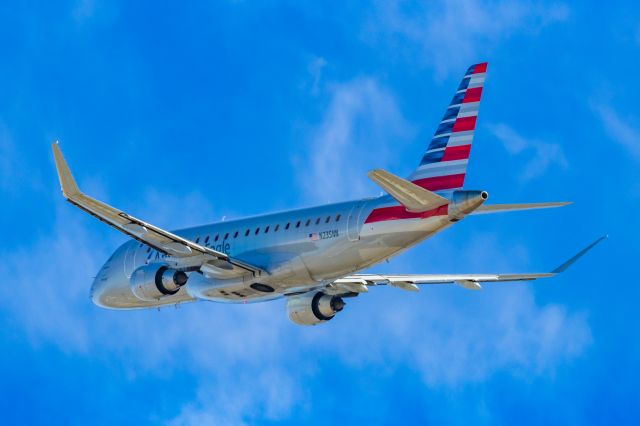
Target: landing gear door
(354,221)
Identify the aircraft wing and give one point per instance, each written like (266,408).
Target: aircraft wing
(157,238)
(358,282)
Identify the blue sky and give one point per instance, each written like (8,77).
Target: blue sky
(185,114)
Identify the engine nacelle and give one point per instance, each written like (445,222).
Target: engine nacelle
(313,308)
(154,281)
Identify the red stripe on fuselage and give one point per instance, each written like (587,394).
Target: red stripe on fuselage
(464,124)
(438,183)
(399,212)
(456,153)
(472,95)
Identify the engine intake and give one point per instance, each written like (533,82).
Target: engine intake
(313,308)
(153,282)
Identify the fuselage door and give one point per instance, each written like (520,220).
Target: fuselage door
(353,221)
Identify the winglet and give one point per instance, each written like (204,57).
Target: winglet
(581,253)
(67,183)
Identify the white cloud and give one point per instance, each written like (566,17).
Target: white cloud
(451,336)
(51,285)
(542,154)
(624,131)
(358,132)
(453,33)
(249,362)
(316,67)
(267,394)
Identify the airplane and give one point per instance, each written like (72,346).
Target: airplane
(311,256)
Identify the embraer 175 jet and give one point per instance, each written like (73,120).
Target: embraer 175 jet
(309,256)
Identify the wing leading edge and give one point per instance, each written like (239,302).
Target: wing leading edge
(410,282)
(157,238)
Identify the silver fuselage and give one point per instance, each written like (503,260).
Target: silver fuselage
(300,250)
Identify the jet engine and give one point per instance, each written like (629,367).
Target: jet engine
(154,281)
(313,308)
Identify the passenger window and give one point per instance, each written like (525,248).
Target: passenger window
(276,228)
(338,218)
(226,235)
(235,234)
(266,230)
(298,224)
(217,237)
(257,231)
(246,233)
(287,226)
(318,221)
(308,222)
(206,240)
(327,219)
(197,240)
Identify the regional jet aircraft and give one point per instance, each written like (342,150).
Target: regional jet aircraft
(312,256)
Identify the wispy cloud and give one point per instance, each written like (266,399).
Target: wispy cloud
(358,131)
(461,337)
(249,362)
(542,155)
(453,33)
(623,130)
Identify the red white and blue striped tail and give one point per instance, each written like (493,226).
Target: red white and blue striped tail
(444,165)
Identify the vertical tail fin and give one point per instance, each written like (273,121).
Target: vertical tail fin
(444,165)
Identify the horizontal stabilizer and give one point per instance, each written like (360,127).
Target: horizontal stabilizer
(497,208)
(414,198)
